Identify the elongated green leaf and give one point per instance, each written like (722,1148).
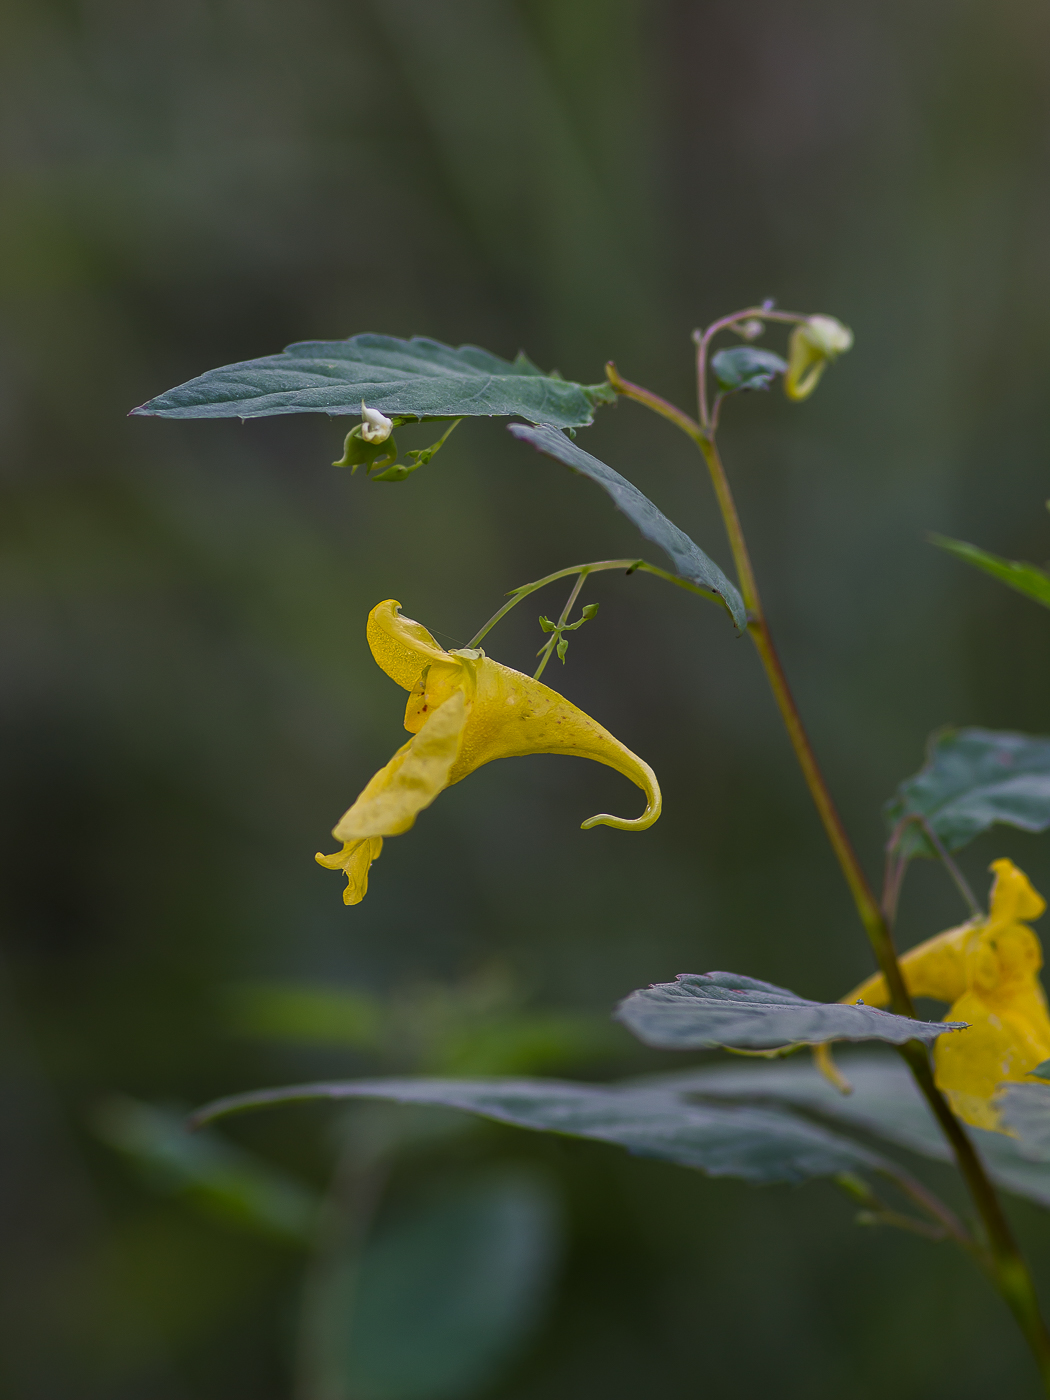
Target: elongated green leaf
(760,1145)
(226,1180)
(709,1010)
(444,1295)
(689,560)
(1026,578)
(884,1102)
(745,367)
(416,378)
(972,779)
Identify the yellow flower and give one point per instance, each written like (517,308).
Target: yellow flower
(989,970)
(813,344)
(463,710)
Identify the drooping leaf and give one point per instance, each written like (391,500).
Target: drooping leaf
(884,1102)
(1026,578)
(689,560)
(442,1296)
(711,1010)
(227,1181)
(745,367)
(760,1145)
(972,779)
(416,378)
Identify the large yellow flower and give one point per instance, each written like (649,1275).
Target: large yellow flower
(463,710)
(989,970)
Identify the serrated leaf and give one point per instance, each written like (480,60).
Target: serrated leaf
(689,560)
(885,1102)
(712,1010)
(760,1145)
(744,367)
(443,1295)
(228,1181)
(416,378)
(1026,578)
(972,779)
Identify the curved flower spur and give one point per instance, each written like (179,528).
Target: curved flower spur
(464,710)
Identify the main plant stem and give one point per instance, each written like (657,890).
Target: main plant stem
(1004,1261)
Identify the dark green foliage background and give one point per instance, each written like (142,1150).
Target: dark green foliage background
(188,702)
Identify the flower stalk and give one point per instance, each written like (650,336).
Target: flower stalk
(1002,1258)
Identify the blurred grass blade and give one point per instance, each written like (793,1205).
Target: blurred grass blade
(225,1180)
(308,1015)
(689,559)
(973,778)
(416,378)
(706,1011)
(760,1145)
(441,1297)
(1025,578)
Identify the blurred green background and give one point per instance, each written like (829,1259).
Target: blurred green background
(189,704)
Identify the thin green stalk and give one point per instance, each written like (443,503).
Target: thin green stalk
(630,566)
(1007,1268)
(552,641)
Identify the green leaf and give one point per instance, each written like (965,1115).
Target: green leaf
(211,1173)
(712,1010)
(972,779)
(884,1102)
(444,1295)
(744,367)
(689,560)
(1025,1109)
(416,378)
(1026,578)
(760,1145)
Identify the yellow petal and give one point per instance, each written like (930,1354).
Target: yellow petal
(411,780)
(512,715)
(1004,1042)
(400,646)
(354,860)
(1013,897)
(989,970)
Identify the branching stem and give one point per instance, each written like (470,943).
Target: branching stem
(555,636)
(630,566)
(1005,1264)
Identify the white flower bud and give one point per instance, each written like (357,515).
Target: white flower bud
(829,336)
(375,426)
(813,345)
